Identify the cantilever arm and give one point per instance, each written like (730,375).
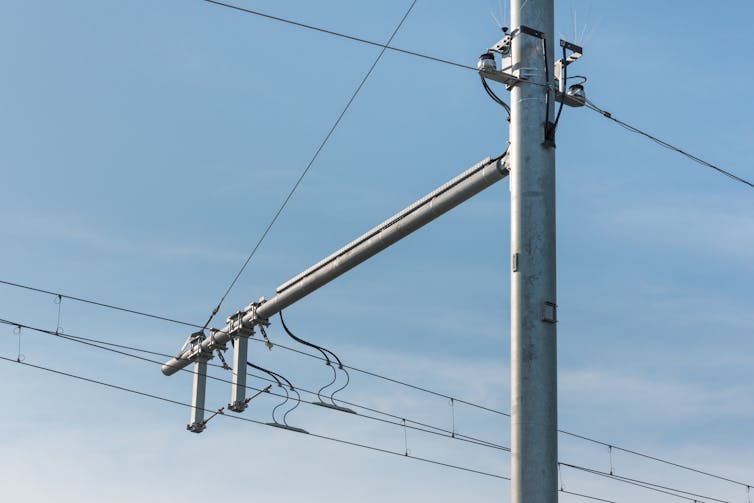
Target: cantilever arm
(439,201)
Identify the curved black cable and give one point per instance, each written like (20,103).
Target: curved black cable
(278,378)
(348,381)
(323,388)
(325,352)
(583,78)
(495,97)
(302,341)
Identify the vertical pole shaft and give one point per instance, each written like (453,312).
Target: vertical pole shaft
(199,392)
(534,451)
(238,386)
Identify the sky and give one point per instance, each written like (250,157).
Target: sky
(147,144)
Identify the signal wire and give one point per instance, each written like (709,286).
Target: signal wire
(311,161)
(666,145)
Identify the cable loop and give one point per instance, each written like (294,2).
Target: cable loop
(326,353)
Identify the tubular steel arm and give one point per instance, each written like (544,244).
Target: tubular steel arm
(439,201)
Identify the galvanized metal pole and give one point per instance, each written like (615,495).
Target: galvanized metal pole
(534,451)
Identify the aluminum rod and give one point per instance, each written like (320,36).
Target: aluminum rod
(534,442)
(444,198)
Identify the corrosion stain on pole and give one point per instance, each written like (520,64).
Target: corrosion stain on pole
(533,294)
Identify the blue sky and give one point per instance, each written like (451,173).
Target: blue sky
(147,144)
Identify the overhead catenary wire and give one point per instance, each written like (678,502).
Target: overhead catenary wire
(586,496)
(254,421)
(101,304)
(282,346)
(405,454)
(136,312)
(422,427)
(654,458)
(321,146)
(651,486)
(590,105)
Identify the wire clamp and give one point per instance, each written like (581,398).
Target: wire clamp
(195,349)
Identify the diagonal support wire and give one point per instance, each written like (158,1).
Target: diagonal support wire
(309,165)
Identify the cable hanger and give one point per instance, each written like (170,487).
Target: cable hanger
(279,380)
(325,352)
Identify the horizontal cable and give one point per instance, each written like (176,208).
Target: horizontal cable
(585,496)
(636,482)
(653,458)
(678,493)
(666,145)
(241,418)
(287,348)
(388,379)
(422,427)
(101,304)
(339,34)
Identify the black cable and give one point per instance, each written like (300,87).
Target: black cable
(583,79)
(396,381)
(665,144)
(495,97)
(342,35)
(278,378)
(549,131)
(311,161)
(302,341)
(249,420)
(324,351)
